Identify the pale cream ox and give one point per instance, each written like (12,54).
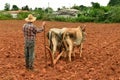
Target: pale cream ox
(73,37)
(55,40)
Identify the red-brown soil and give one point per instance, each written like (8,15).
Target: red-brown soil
(100,59)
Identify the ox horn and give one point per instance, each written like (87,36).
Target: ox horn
(83,27)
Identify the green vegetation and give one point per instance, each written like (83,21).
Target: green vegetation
(22,15)
(95,13)
(114,3)
(5,16)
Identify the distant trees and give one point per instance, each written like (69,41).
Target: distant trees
(49,10)
(7,7)
(25,8)
(95,5)
(114,3)
(14,7)
(81,7)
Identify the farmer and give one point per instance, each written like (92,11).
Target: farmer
(30,30)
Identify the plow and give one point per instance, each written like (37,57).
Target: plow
(53,60)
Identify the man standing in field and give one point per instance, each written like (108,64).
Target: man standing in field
(30,30)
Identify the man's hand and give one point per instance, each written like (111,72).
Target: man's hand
(43,24)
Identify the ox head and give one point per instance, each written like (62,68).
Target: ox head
(83,30)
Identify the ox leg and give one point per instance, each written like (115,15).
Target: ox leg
(80,50)
(65,49)
(73,52)
(70,52)
(53,53)
(54,47)
(70,44)
(64,54)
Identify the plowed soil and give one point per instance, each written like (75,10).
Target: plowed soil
(100,58)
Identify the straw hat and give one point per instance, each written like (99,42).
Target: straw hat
(30,18)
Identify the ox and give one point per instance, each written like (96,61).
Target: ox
(73,37)
(55,40)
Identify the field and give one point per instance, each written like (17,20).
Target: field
(100,59)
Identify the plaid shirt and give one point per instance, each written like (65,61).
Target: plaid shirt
(30,31)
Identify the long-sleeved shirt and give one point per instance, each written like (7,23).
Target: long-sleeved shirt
(30,31)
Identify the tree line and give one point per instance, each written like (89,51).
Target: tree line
(15,7)
(95,13)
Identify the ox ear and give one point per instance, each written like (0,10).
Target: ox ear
(83,28)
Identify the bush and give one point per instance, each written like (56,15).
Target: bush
(83,18)
(65,19)
(22,15)
(39,14)
(5,16)
(59,18)
(114,14)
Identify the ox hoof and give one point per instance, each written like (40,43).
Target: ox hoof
(80,56)
(70,60)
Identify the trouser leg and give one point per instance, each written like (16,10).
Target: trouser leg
(29,54)
(27,57)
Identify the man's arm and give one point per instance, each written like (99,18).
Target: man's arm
(41,28)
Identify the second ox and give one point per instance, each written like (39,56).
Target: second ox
(73,37)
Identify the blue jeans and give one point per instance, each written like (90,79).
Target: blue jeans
(29,53)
